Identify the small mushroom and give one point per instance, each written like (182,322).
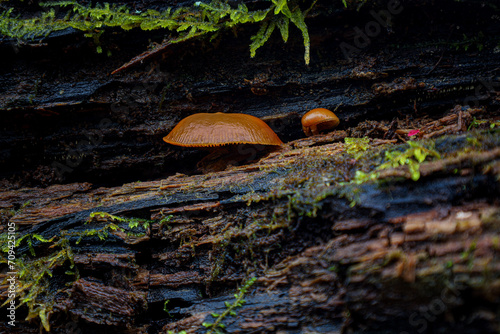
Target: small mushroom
(213,130)
(319,120)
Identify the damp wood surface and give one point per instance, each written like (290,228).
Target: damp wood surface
(328,256)
(390,223)
(64,118)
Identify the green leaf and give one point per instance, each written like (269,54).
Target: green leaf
(298,19)
(283,27)
(261,37)
(44,319)
(279,6)
(133,224)
(40,238)
(420,155)
(414,171)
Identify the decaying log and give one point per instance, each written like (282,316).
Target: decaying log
(407,256)
(395,231)
(66,119)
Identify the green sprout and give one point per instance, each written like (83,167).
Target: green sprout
(218,326)
(411,157)
(165,309)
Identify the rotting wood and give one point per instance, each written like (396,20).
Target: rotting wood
(392,256)
(219,229)
(98,303)
(84,125)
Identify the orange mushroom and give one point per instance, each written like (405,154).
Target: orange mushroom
(319,120)
(214,130)
(207,130)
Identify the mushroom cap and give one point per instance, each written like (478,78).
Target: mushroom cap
(318,115)
(319,119)
(217,129)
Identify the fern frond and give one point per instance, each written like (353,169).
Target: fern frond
(183,22)
(283,23)
(280,4)
(262,36)
(298,19)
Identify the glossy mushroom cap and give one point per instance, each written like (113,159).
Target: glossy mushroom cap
(319,120)
(206,130)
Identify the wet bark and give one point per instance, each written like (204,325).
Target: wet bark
(65,118)
(409,255)
(330,255)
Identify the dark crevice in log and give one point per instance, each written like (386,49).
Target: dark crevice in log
(392,253)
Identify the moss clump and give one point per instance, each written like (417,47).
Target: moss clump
(357,146)
(30,28)
(412,157)
(347,174)
(41,278)
(183,23)
(218,326)
(132,224)
(35,286)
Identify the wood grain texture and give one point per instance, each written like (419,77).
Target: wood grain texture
(330,255)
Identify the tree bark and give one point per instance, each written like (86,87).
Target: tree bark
(410,246)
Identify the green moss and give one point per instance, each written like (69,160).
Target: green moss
(476,123)
(468,253)
(333,268)
(183,23)
(35,273)
(132,222)
(313,177)
(356,146)
(243,243)
(495,241)
(35,287)
(218,326)
(282,16)
(474,42)
(412,157)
